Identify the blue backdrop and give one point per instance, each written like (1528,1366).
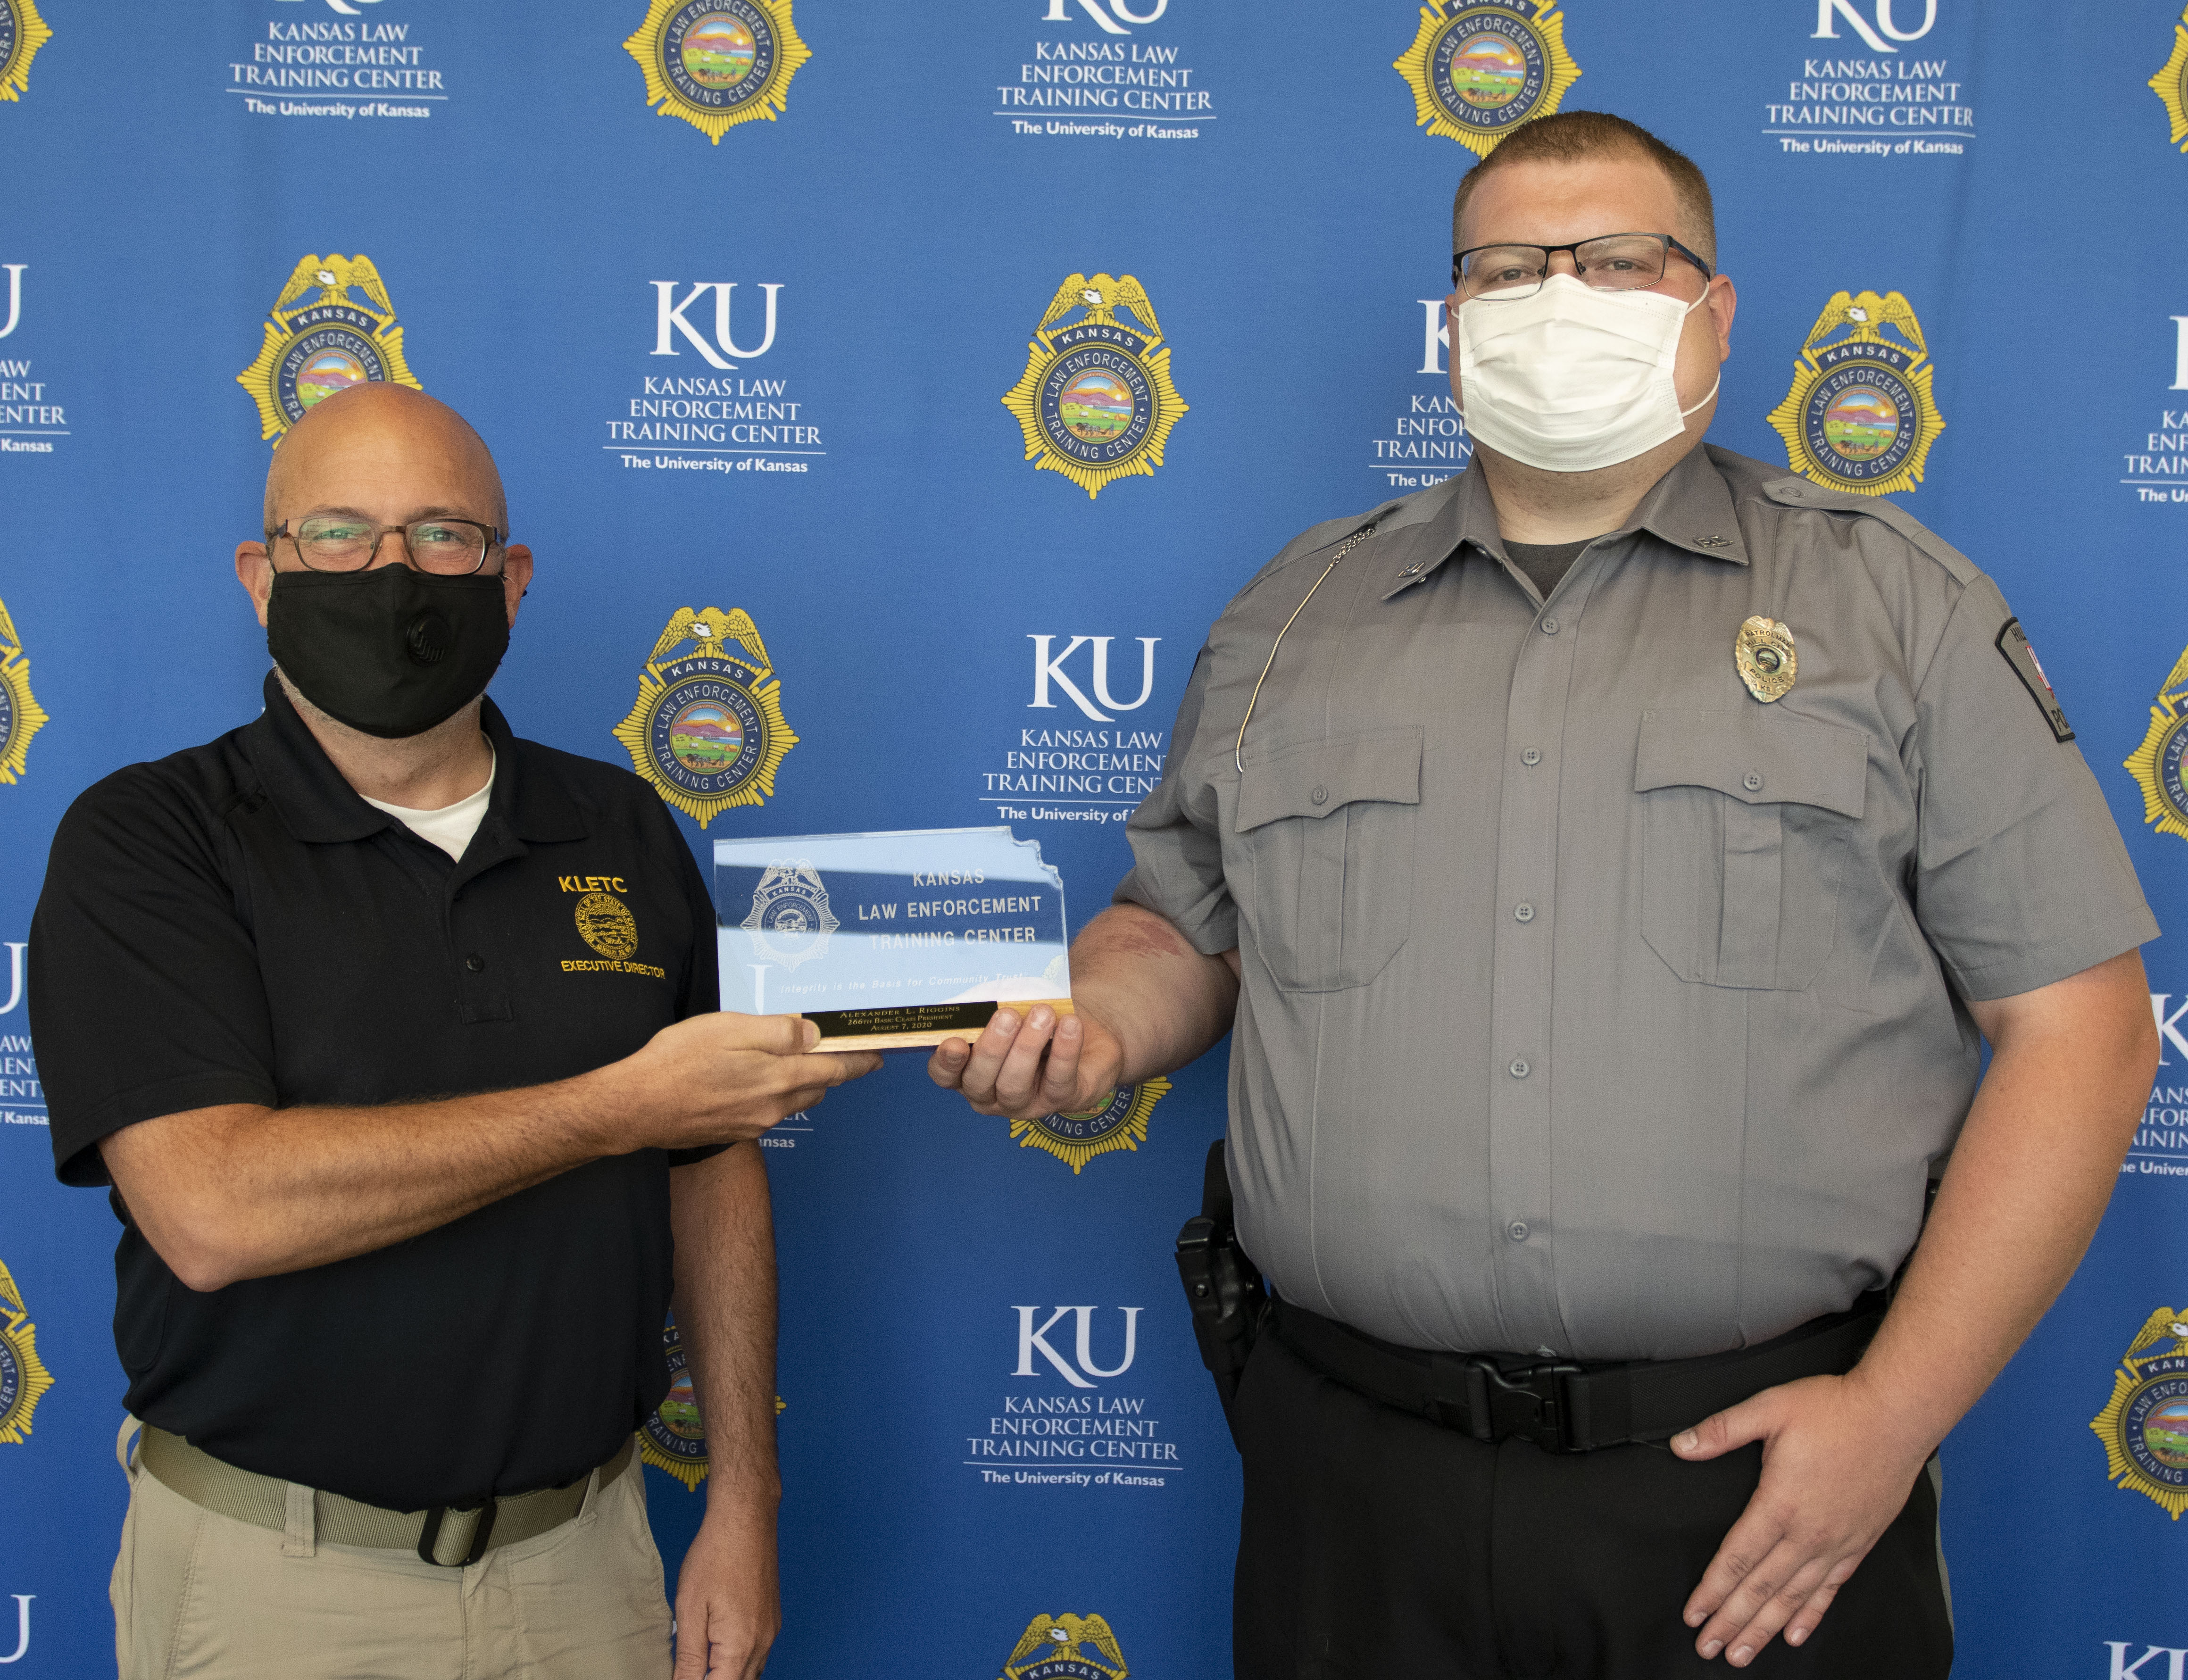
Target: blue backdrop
(738,297)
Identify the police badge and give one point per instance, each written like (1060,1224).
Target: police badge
(2170,84)
(708,731)
(1860,415)
(2157,763)
(22,32)
(717,62)
(2145,1429)
(22,1379)
(1765,655)
(1076,1138)
(1050,1650)
(20,716)
(789,920)
(312,350)
(1096,402)
(1479,68)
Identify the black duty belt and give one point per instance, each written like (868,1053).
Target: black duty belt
(1564,1407)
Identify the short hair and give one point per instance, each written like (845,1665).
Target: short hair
(1572,136)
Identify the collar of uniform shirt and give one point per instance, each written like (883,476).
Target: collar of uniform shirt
(1689,507)
(317,805)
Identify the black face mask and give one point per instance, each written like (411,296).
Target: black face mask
(391,651)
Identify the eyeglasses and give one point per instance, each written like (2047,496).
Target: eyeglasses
(335,542)
(1505,273)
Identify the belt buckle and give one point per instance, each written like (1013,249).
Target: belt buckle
(430,1534)
(1528,1402)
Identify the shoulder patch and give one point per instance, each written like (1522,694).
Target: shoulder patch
(1795,492)
(2013,642)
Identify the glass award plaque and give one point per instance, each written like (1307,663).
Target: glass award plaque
(885,941)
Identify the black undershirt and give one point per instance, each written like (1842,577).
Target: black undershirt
(1546,563)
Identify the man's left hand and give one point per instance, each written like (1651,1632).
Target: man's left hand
(1837,1469)
(729,1601)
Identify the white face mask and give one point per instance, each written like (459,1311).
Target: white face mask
(1573,377)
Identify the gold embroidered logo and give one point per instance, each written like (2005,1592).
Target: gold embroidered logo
(708,731)
(312,349)
(1480,68)
(20,716)
(1860,415)
(2144,1427)
(717,62)
(22,32)
(1096,402)
(2170,84)
(605,922)
(1118,1123)
(1050,1649)
(22,1378)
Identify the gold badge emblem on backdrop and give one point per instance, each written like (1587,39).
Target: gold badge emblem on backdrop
(673,1437)
(708,731)
(1050,1649)
(22,32)
(1767,659)
(2145,1427)
(1118,1123)
(2170,84)
(717,62)
(1480,68)
(316,346)
(1860,415)
(2157,763)
(20,716)
(1096,402)
(22,1378)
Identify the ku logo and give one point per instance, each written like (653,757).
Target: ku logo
(1113,20)
(1077,1369)
(1048,668)
(669,320)
(2180,331)
(348,8)
(1829,12)
(15,292)
(16,949)
(22,1627)
(2122,1669)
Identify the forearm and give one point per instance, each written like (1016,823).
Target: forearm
(241,1191)
(725,1318)
(1165,1002)
(2027,1184)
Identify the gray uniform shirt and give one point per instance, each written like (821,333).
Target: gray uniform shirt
(1592,1006)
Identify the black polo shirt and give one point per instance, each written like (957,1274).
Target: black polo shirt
(234,924)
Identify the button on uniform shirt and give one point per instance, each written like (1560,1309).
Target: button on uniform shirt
(235,925)
(1590,1005)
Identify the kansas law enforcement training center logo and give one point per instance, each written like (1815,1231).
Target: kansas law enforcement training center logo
(717,62)
(2157,762)
(675,1438)
(708,731)
(22,1379)
(20,717)
(2170,84)
(22,32)
(1480,68)
(1119,1123)
(1860,415)
(314,348)
(1096,402)
(790,919)
(1053,1647)
(2145,1429)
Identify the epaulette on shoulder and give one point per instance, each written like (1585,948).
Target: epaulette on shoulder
(1795,491)
(1327,534)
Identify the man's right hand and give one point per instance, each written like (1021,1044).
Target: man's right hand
(1005,1072)
(723,1079)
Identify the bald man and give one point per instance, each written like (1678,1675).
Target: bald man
(396,1037)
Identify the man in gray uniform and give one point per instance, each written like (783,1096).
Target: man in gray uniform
(1606,862)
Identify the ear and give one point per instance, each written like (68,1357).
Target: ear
(254,570)
(515,578)
(1723,301)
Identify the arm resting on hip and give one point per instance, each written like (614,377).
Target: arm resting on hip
(1146,1002)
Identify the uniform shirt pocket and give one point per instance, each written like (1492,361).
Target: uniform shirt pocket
(1327,829)
(1746,815)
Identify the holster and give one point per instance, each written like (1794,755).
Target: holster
(1222,1286)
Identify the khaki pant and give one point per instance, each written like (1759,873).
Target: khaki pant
(199,1594)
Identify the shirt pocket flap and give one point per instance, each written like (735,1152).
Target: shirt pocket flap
(1759,756)
(1317,777)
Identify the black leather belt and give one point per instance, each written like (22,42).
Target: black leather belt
(1564,1407)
